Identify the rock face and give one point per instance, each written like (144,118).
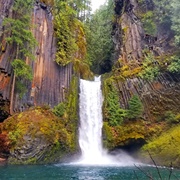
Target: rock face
(128,31)
(50,81)
(5,67)
(160,96)
(130,41)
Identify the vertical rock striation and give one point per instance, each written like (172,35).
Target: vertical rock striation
(130,40)
(50,81)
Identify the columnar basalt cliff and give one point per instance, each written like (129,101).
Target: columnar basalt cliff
(131,44)
(50,81)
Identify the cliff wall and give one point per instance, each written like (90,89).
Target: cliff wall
(50,81)
(158,95)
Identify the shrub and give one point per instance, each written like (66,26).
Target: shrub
(113,112)
(135,107)
(150,70)
(170,117)
(59,110)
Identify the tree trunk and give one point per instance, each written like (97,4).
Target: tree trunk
(12,94)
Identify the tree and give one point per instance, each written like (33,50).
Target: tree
(99,40)
(64,20)
(174,67)
(19,28)
(114,114)
(135,107)
(71,40)
(167,14)
(20,36)
(175,17)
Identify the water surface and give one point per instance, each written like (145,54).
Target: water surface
(74,172)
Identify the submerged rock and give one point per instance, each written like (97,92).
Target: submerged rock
(37,136)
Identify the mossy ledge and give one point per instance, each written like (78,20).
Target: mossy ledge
(37,136)
(165,149)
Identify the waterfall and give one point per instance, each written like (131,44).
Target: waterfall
(90,130)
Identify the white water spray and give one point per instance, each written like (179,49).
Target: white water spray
(90,130)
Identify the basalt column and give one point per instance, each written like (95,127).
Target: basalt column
(130,41)
(50,81)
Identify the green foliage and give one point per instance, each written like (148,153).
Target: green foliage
(69,31)
(23,73)
(150,69)
(99,39)
(165,149)
(14,136)
(124,134)
(72,102)
(20,87)
(162,10)
(59,110)
(167,14)
(68,111)
(58,138)
(171,118)
(82,8)
(175,64)
(175,4)
(21,69)
(112,111)
(148,20)
(64,30)
(19,28)
(135,107)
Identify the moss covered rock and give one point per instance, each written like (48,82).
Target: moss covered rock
(164,149)
(37,136)
(131,135)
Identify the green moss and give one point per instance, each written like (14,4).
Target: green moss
(130,132)
(165,149)
(24,130)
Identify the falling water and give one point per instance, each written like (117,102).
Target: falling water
(90,130)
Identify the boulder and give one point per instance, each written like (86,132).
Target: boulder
(37,136)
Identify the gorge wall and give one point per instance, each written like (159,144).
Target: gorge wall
(50,81)
(131,41)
